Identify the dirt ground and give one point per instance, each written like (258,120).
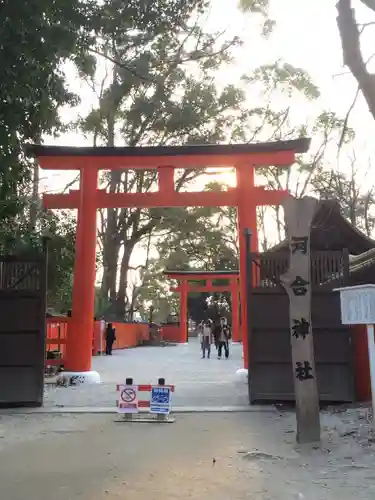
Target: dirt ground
(227,456)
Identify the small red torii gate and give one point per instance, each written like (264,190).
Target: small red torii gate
(245,158)
(184,288)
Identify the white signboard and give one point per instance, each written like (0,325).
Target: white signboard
(357,304)
(128,399)
(358,308)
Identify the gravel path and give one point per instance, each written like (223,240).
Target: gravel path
(199,382)
(220,456)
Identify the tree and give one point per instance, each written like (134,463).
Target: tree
(191,239)
(37,37)
(355,199)
(301,178)
(152,97)
(350,32)
(32,87)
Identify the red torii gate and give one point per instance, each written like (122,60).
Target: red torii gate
(165,159)
(184,288)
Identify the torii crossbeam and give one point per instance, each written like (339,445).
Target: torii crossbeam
(245,158)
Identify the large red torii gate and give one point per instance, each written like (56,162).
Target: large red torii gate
(89,160)
(184,288)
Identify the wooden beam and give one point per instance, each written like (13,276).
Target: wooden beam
(227,198)
(198,276)
(197,289)
(270,197)
(273,158)
(299,214)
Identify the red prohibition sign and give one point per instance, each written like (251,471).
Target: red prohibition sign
(128,395)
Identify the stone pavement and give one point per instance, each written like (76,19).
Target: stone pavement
(200,383)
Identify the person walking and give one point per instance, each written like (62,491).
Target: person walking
(223,339)
(110,337)
(206,339)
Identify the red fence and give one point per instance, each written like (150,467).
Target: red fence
(127,335)
(172,333)
(56,330)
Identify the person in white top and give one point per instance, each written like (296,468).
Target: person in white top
(206,339)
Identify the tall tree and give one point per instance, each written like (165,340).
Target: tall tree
(152,98)
(36,36)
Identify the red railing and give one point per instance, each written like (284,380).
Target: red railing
(127,335)
(56,331)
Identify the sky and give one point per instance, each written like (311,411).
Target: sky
(305,36)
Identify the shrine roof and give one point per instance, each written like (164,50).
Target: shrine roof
(332,231)
(297,145)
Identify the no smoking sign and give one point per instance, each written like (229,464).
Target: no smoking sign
(128,395)
(128,399)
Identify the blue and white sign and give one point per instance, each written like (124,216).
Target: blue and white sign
(160,401)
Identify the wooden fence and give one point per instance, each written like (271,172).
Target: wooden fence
(327,268)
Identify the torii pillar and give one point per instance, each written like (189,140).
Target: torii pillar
(246,219)
(247,196)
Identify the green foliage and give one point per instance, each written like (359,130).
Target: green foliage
(36,38)
(191,239)
(260,6)
(61,230)
(33,44)
(284,76)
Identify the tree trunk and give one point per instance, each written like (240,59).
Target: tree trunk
(351,49)
(121,300)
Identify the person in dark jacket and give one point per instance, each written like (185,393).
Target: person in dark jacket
(224,335)
(110,337)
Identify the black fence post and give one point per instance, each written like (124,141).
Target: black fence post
(249,287)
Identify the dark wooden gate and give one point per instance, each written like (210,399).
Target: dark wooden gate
(22,330)
(271,377)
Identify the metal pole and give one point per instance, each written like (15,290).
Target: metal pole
(249,286)
(161,417)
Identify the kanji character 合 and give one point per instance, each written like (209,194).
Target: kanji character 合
(299,286)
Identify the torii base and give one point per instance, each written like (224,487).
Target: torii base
(78,378)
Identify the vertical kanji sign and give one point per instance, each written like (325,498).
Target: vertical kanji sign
(299,214)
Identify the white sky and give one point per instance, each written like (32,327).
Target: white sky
(306,36)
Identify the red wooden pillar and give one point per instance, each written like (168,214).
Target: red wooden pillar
(235,311)
(81,325)
(247,218)
(183,311)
